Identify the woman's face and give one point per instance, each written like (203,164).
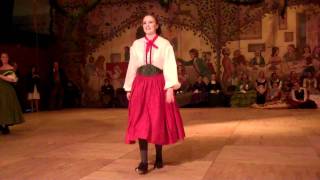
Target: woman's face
(205,79)
(295,76)
(117,69)
(56,65)
(307,50)
(257,54)
(291,73)
(296,86)
(226,51)
(236,53)
(245,77)
(91,60)
(192,55)
(261,74)
(275,85)
(150,25)
(213,77)
(309,75)
(290,49)
(4,58)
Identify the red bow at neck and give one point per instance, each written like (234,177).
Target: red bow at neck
(149,45)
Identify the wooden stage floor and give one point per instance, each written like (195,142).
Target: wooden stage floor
(221,144)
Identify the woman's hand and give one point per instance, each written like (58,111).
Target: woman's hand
(169,95)
(128,95)
(7,78)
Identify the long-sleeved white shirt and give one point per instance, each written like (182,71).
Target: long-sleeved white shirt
(162,57)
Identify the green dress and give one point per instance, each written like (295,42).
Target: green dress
(10,110)
(240,99)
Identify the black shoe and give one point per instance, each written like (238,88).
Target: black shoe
(158,164)
(142,168)
(5,130)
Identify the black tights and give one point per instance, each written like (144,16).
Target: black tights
(143,145)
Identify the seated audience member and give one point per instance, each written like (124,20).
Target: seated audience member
(206,82)
(231,89)
(274,98)
(261,88)
(198,86)
(275,78)
(309,66)
(274,94)
(215,95)
(107,94)
(299,98)
(286,87)
(214,86)
(120,99)
(293,77)
(183,79)
(183,94)
(198,92)
(311,84)
(288,84)
(316,53)
(72,95)
(245,94)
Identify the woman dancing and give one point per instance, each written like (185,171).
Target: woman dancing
(150,83)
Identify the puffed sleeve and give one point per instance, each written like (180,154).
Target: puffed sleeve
(131,71)
(170,69)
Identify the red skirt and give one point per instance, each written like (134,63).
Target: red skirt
(150,116)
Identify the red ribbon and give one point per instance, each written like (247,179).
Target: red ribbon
(149,45)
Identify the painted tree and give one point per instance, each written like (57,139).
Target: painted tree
(69,18)
(217,21)
(68,24)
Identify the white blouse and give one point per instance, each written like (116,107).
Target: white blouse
(161,57)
